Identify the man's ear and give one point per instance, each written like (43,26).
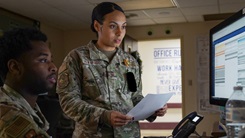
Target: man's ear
(14,67)
(97,26)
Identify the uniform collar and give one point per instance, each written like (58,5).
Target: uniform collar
(96,54)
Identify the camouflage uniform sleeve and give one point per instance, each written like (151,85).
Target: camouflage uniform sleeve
(69,89)
(14,123)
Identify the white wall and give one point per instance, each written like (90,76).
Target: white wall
(55,41)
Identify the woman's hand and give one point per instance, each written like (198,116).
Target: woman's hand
(162,111)
(118,119)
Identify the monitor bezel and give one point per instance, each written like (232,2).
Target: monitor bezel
(238,15)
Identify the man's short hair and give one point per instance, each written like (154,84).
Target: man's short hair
(14,43)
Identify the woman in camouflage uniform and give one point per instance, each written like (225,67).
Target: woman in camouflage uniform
(99,83)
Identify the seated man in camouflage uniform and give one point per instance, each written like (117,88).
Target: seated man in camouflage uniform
(27,70)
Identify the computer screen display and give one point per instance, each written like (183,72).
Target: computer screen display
(227,57)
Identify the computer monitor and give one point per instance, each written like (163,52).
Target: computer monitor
(227,57)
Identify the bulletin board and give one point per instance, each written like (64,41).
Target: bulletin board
(203,75)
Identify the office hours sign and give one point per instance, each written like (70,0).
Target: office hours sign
(161,60)
(168,69)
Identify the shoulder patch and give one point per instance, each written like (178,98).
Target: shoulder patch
(63,80)
(17,127)
(8,112)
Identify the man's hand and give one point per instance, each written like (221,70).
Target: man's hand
(118,119)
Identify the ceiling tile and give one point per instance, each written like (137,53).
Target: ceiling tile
(65,3)
(170,20)
(195,3)
(231,1)
(140,22)
(99,1)
(128,5)
(200,10)
(75,8)
(163,12)
(135,15)
(231,8)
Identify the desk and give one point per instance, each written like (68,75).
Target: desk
(218,134)
(155,137)
(171,137)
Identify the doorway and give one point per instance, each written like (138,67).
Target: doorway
(161,73)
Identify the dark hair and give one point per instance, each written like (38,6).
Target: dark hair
(101,10)
(14,43)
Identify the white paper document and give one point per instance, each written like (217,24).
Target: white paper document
(147,106)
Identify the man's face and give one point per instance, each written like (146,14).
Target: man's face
(39,71)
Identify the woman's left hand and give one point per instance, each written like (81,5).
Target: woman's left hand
(162,111)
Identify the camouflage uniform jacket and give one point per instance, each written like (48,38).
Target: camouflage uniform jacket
(18,119)
(90,86)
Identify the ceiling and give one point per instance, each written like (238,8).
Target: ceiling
(75,14)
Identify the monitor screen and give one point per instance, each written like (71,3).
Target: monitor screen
(227,57)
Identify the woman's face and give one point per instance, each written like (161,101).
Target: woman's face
(112,31)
